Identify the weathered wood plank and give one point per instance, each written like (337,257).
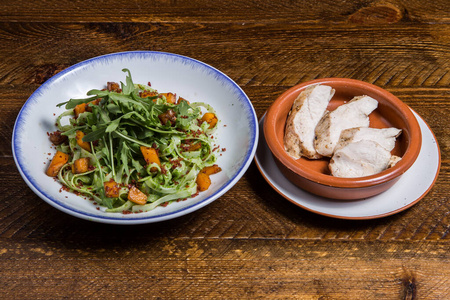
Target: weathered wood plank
(264,12)
(251,243)
(391,56)
(226,269)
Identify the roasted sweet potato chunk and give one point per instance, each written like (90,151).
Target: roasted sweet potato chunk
(79,109)
(137,196)
(59,160)
(214,169)
(147,94)
(209,118)
(80,165)
(170,97)
(203,181)
(79,137)
(112,189)
(150,156)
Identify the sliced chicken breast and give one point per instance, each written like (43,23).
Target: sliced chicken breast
(359,159)
(385,137)
(394,160)
(306,112)
(354,113)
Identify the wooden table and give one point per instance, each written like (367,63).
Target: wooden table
(251,243)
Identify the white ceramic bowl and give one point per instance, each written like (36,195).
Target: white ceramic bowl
(189,78)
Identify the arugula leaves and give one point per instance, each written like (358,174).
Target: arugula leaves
(117,126)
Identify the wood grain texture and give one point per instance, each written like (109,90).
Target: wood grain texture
(251,243)
(184,11)
(227,269)
(384,55)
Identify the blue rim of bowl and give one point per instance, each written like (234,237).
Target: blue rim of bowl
(119,218)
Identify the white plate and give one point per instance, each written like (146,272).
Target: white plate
(189,78)
(411,187)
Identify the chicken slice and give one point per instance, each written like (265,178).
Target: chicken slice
(359,159)
(306,112)
(394,160)
(354,113)
(385,137)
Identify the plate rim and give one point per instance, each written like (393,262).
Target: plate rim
(120,218)
(386,214)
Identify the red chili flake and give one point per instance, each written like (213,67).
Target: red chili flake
(126,212)
(48,134)
(195,195)
(198,132)
(97,208)
(224,149)
(149,83)
(163,170)
(224,125)
(165,204)
(175,163)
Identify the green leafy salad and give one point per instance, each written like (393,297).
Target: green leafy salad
(130,149)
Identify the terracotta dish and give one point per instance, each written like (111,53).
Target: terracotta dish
(314,175)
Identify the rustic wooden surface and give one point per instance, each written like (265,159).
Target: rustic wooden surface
(251,243)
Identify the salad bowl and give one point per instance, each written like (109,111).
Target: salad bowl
(236,135)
